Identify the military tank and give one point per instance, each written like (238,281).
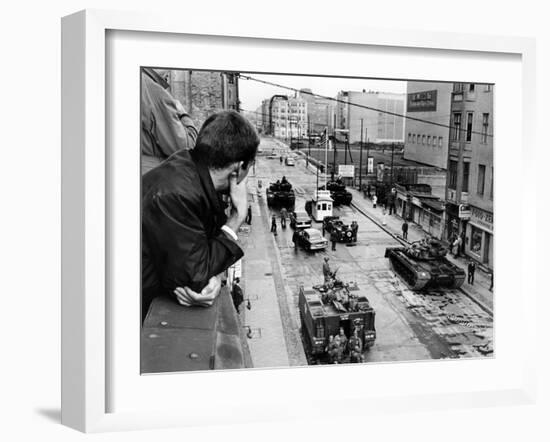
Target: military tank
(280,194)
(423,265)
(338,192)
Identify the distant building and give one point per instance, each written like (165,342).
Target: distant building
(320,112)
(424,142)
(469,196)
(285,117)
(378,126)
(203,93)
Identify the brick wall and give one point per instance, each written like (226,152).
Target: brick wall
(203,93)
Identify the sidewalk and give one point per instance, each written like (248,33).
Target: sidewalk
(479,290)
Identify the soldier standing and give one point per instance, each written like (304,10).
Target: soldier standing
(327,273)
(273,225)
(354,228)
(295,240)
(283,218)
(333,239)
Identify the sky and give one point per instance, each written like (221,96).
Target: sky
(251,93)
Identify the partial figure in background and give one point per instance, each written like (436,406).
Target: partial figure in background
(166,127)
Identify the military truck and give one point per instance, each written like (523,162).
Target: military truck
(327,308)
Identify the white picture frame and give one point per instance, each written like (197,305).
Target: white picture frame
(86,202)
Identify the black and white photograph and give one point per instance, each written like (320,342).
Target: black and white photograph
(292,220)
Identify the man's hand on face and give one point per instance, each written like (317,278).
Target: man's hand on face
(187,297)
(238,194)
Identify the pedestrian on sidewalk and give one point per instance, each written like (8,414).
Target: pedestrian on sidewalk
(405,229)
(333,239)
(374,200)
(295,240)
(458,246)
(384,216)
(249,215)
(471,271)
(237,294)
(281,159)
(274,225)
(455,250)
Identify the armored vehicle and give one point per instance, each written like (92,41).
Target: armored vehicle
(423,265)
(344,232)
(338,192)
(280,194)
(329,310)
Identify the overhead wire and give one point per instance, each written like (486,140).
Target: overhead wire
(337,100)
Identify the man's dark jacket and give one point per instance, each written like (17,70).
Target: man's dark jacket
(182,240)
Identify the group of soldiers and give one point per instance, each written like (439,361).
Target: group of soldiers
(340,347)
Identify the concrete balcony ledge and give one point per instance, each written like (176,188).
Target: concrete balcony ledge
(177,338)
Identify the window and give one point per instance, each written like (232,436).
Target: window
(435,140)
(475,240)
(452,174)
(409,137)
(472,87)
(458,87)
(429,140)
(465,176)
(423,140)
(457,121)
(481,180)
(488,87)
(469,126)
(485,128)
(440,141)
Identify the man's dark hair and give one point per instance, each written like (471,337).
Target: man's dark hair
(226,137)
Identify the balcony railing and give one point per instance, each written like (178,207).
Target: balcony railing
(178,338)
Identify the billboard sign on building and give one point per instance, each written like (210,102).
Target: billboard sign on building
(422,101)
(346,171)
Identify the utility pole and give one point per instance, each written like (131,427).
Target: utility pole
(308,142)
(361,155)
(391,171)
(368,146)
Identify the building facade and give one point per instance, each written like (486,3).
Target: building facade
(469,196)
(424,142)
(378,126)
(203,93)
(285,117)
(320,112)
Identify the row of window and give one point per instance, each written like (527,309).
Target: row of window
(460,87)
(457,132)
(426,140)
(481,172)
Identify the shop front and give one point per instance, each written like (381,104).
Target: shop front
(479,234)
